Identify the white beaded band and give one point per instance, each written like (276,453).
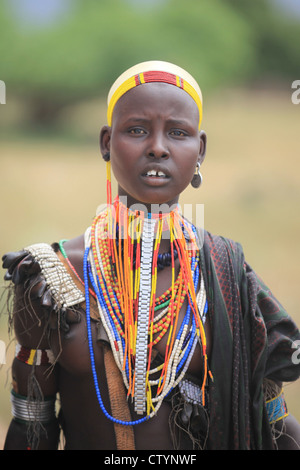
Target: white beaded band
(32,410)
(143,315)
(64,290)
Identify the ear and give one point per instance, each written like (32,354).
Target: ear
(104,139)
(202,150)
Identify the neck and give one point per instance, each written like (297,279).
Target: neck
(147,208)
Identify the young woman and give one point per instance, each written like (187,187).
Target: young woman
(151,332)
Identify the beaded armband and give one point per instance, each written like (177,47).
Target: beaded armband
(62,287)
(38,357)
(25,410)
(276,408)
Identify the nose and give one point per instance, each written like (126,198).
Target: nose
(158,147)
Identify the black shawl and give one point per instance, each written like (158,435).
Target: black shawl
(252,339)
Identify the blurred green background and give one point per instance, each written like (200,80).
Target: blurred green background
(58,59)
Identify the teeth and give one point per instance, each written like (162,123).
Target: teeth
(155,173)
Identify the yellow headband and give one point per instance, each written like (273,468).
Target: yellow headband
(153,71)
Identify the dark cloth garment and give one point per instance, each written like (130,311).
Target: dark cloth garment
(252,339)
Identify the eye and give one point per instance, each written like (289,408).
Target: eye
(178,133)
(137,131)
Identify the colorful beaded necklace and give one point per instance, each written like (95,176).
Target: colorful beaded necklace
(127,302)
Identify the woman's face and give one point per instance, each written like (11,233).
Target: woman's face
(154,143)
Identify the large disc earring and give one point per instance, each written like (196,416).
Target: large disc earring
(106,157)
(197,178)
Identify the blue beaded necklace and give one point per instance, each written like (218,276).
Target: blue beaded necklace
(91,350)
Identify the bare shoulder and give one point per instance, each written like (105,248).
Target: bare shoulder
(74,250)
(74,246)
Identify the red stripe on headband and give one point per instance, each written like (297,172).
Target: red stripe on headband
(163,77)
(160,77)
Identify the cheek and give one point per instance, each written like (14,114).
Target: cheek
(122,154)
(123,170)
(187,169)
(117,169)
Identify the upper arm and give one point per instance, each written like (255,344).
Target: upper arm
(288,432)
(285,428)
(31,315)
(31,326)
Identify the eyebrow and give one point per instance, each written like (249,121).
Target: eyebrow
(179,122)
(137,119)
(173,122)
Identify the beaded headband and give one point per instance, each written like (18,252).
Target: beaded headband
(149,72)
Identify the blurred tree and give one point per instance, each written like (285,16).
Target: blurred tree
(275,37)
(79,55)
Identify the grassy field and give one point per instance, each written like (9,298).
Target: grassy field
(50,190)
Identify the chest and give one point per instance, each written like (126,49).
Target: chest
(74,353)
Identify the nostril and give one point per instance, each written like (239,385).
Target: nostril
(157,154)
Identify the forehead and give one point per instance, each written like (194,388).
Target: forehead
(152,98)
